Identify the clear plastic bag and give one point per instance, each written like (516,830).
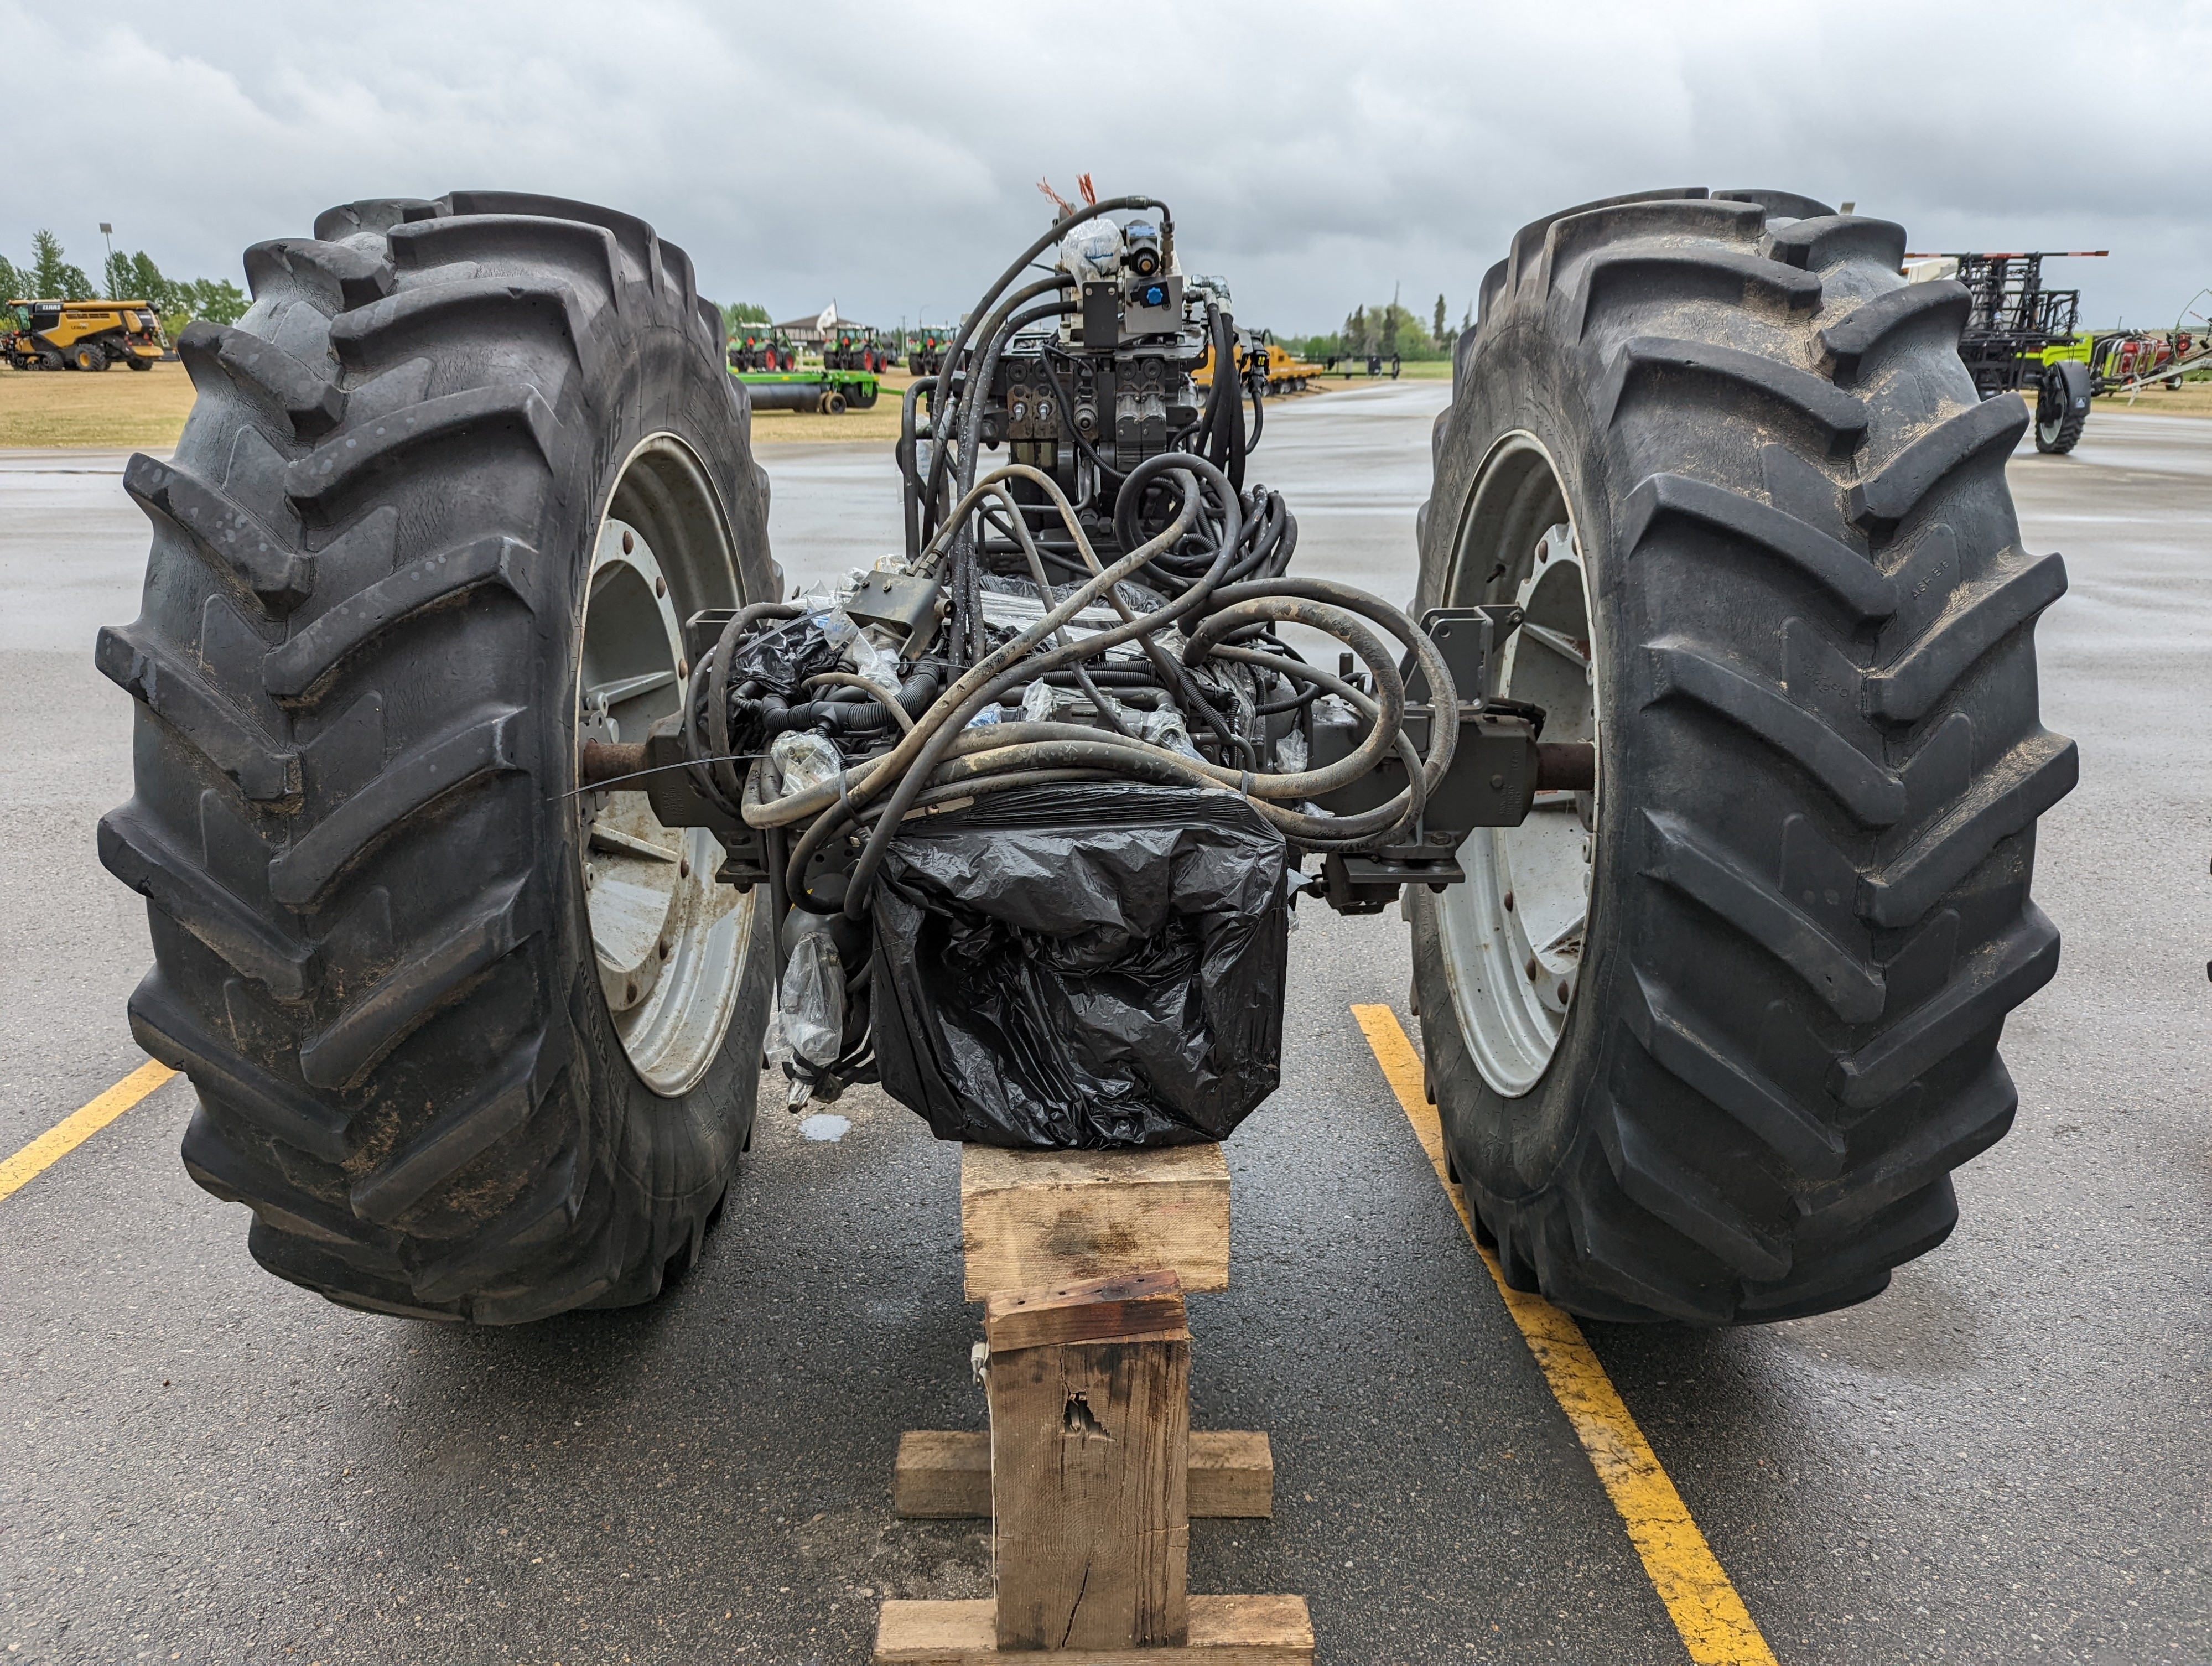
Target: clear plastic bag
(1040,703)
(808,1025)
(1092,252)
(873,664)
(807,760)
(1165,729)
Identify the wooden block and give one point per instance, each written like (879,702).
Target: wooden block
(1224,1631)
(1232,1474)
(1089,1389)
(1032,1218)
(1113,1308)
(944,1474)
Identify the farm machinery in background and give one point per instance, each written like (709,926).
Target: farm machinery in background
(2128,361)
(1261,359)
(854,347)
(2020,336)
(762,347)
(923,347)
(765,358)
(82,335)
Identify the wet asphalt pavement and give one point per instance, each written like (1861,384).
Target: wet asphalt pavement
(2008,1457)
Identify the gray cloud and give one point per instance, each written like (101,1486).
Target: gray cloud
(1315,154)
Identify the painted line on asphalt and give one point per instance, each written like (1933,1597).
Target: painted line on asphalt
(79,1126)
(1714,1626)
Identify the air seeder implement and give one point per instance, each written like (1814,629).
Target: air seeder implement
(497,807)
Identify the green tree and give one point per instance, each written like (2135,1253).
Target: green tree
(215,299)
(739,313)
(147,283)
(52,278)
(136,278)
(15,284)
(1441,324)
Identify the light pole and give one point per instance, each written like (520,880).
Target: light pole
(107,276)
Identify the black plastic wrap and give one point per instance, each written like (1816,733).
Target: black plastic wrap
(1083,967)
(782,657)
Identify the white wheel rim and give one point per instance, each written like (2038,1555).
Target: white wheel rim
(1512,935)
(669,942)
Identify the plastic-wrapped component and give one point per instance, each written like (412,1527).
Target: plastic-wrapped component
(807,1031)
(1083,967)
(874,664)
(1164,727)
(1092,252)
(807,760)
(782,657)
(1039,704)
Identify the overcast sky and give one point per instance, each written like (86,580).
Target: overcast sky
(1315,154)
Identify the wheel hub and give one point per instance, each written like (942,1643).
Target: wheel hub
(669,943)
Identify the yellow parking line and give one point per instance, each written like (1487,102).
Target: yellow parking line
(1715,1626)
(79,1126)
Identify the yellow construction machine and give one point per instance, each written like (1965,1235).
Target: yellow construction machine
(82,335)
(1286,372)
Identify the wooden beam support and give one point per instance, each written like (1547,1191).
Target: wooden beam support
(1030,1220)
(944,1474)
(1089,1386)
(1224,1631)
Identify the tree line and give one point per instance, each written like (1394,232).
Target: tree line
(1388,331)
(51,277)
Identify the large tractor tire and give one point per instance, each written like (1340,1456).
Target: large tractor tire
(1708,1043)
(471,1044)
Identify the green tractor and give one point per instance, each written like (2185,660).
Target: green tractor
(925,347)
(853,347)
(756,347)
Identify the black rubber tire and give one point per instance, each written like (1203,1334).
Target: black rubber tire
(2062,407)
(1820,762)
(88,356)
(356,674)
(137,362)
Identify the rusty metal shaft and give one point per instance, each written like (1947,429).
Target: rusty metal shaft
(1565,766)
(609,760)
